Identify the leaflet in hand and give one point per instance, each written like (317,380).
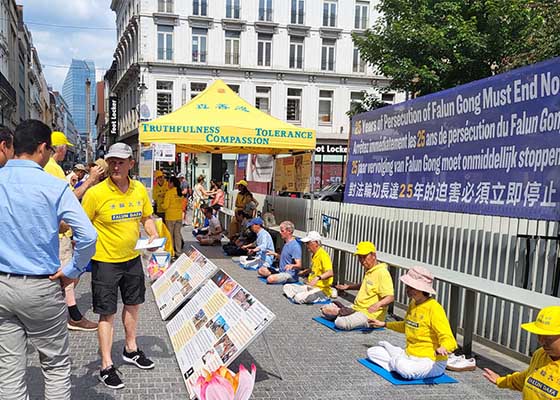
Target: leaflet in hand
(142,243)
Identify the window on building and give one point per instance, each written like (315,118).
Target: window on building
(325,107)
(199,37)
(356,98)
(265,10)
(264,50)
(164,91)
(262,99)
(388,97)
(329,13)
(197,88)
(296,52)
(232,47)
(327,54)
(235,88)
(200,7)
(358,65)
(165,6)
(297,12)
(361,12)
(232,9)
(165,42)
(293,105)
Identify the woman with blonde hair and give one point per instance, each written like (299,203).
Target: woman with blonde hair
(429,339)
(199,195)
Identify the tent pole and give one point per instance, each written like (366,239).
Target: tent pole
(312,184)
(273,182)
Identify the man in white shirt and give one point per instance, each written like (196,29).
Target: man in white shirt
(214,234)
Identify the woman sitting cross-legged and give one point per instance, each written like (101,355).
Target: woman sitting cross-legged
(429,339)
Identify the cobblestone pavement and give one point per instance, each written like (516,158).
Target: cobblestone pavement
(312,362)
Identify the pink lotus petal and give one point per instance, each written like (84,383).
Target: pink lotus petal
(200,388)
(219,389)
(246,382)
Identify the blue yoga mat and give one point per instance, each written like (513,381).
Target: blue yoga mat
(263,279)
(396,379)
(331,325)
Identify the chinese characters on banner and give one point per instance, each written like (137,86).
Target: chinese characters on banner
(489,147)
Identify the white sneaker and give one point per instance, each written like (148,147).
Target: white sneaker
(460,363)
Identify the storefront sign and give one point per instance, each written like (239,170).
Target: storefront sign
(113,115)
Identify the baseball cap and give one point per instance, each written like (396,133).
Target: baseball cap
(242,182)
(547,323)
(255,221)
(102,164)
(158,173)
(181,175)
(58,139)
(312,236)
(80,167)
(119,150)
(364,248)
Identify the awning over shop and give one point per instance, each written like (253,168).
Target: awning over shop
(219,121)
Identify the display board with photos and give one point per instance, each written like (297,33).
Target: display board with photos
(181,280)
(215,326)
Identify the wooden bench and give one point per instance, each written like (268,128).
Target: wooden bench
(458,280)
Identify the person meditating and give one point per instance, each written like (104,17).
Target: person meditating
(541,381)
(429,339)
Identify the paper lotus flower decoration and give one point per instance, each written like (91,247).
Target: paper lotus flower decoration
(222,384)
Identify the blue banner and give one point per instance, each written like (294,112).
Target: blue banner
(242,161)
(490,147)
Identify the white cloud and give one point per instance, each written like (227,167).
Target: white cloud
(57,46)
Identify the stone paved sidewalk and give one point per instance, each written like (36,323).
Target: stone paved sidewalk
(314,362)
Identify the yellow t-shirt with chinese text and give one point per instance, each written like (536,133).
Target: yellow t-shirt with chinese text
(541,381)
(116,217)
(321,263)
(426,328)
(173,205)
(377,284)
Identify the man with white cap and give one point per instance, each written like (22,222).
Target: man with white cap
(375,293)
(318,287)
(116,206)
(429,339)
(541,381)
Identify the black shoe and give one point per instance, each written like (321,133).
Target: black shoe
(138,358)
(110,378)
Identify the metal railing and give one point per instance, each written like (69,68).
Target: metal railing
(515,252)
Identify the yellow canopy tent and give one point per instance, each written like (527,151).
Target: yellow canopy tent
(219,121)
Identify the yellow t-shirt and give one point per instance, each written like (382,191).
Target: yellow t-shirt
(54,169)
(159,194)
(541,381)
(426,328)
(241,200)
(321,263)
(116,217)
(173,205)
(377,284)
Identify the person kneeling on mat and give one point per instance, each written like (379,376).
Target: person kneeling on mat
(318,287)
(375,293)
(429,339)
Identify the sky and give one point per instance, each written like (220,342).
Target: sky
(57,46)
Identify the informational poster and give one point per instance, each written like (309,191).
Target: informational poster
(489,147)
(164,151)
(292,173)
(259,167)
(215,326)
(146,166)
(181,280)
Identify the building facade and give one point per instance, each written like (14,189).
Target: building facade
(23,88)
(79,82)
(62,120)
(293,59)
